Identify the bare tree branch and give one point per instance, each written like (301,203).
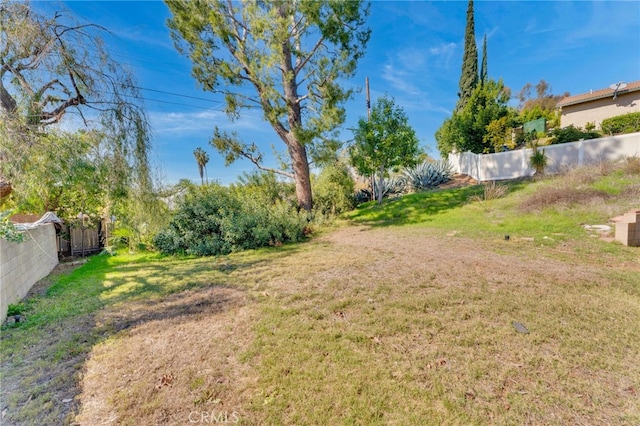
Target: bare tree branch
(258,164)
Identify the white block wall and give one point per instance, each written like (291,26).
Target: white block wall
(24,264)
(515,164)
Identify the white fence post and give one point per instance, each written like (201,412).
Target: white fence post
(580,152)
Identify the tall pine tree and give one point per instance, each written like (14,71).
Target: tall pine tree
(469,77)
(483,66)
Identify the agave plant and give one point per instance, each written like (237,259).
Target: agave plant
(393,185)
(427,175)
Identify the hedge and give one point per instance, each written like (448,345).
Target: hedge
(627,123)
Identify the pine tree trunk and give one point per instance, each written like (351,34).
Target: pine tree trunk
(297,151)
(301,174)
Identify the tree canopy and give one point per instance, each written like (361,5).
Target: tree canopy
(57,71)
(286,58)
(52,67)
(385,141)
(466,130)
(543,104)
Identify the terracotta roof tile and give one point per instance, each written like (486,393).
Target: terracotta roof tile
(597,94)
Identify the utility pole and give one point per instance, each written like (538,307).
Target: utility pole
(372,178)
(368,100)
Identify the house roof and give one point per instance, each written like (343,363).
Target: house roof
(597,94)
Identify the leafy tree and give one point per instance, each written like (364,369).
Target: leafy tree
(51,66)
(466,130)
(333,190)
(385,141)
(265,187)
(450,135)
(202,158)
(543,105)
(498,134)
(67,174)
(469,76)
(286,58)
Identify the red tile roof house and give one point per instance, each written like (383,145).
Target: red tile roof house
(595,106)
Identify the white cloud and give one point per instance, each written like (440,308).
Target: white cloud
(400,79)
(202,121)
(445,49)
(409,70)
(412,57)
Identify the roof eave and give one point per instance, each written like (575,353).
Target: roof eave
(596,97)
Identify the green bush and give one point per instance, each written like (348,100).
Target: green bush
(333,190)
(266,187)
(572,134)
(627,123)
(15,309)
(213,220)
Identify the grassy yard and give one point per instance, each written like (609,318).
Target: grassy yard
(420,311)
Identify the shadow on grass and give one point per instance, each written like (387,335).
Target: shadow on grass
(421,207)
(41,356)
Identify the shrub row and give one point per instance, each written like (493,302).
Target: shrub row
(627,123)
(572,134)
(213,220)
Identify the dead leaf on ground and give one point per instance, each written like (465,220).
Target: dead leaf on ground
(166,380)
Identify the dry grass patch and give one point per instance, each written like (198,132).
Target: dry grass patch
(174,359)
(375,326)
(490,191)
(398,327)
(562,197)
(594,185)
(631,165)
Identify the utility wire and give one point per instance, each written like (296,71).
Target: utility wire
(177,94)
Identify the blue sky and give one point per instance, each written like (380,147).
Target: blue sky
(414,55)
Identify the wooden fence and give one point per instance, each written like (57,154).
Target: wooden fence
(78,241)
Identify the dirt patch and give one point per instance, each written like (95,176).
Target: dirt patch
(458,181)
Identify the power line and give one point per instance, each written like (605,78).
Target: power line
(177,94)
(179,104)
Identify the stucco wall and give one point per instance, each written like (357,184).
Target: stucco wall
(596,111)
(515,164)
(24,264)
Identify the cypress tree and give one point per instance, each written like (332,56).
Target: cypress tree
(469,77)
(483,66)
